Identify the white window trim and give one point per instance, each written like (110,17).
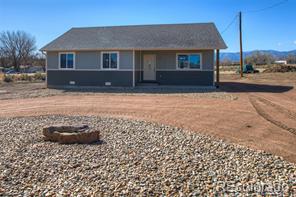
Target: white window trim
(108,52)
(177,62)
(74,61)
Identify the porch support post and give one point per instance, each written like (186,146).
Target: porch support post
(217,68)
(134,67)
(140,66)
(45,54)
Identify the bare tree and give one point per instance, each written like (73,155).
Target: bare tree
(291,59)
(38,59)
(260,58)
(17,46)
(226,62)
(2,59)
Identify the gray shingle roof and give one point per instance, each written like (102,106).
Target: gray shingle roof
(172,36)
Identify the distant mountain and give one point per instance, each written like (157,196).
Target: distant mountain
(235,55)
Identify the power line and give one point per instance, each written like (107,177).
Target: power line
(254,11)
(267,8)
(229,25)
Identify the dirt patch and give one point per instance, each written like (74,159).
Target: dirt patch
(280,68)
(279,116)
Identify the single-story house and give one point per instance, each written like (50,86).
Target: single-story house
(173,54)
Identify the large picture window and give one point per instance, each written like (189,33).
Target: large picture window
(110,60)
(67,60)
(189,61)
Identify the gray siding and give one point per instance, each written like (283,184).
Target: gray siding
(167,74)
(208,60)
(137,67)
(126,60)
(89,78)
(166,60)
(90,60)
(52,60)
(137,60)
(165,65)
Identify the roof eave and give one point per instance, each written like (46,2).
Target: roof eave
(125,49)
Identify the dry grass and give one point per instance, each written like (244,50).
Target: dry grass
(288,78)
(261,68)
(236,67)
(1,77)
(22,77)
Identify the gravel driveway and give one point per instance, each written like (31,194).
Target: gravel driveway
(133,158)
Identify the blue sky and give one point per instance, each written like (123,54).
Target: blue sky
(46,19)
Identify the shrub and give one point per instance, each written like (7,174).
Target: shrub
(8,78)
(39,76)
(24,77)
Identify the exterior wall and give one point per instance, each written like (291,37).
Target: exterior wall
(167,73)
(208,60)
(166,60)
(126,60)
(89,78)
(192,78)
(91,60)
(137,66)
(87,60)
(52,59)
(88,70)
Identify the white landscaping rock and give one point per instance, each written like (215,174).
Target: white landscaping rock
(133,158)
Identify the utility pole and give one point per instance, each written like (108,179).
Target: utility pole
(241,44)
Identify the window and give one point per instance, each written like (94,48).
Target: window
(189,61)
(67,60)
(110,60)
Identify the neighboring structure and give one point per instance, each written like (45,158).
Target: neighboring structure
(280,62)
(177,54)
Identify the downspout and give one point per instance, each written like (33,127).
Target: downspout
(217,68)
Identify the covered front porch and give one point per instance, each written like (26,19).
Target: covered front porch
(175,67)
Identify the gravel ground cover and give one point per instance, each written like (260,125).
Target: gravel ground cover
(37,90)
(133,158)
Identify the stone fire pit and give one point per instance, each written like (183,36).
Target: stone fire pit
(65,134)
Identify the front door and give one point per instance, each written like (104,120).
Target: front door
(149,67)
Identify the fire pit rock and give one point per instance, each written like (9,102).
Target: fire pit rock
(65,134)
